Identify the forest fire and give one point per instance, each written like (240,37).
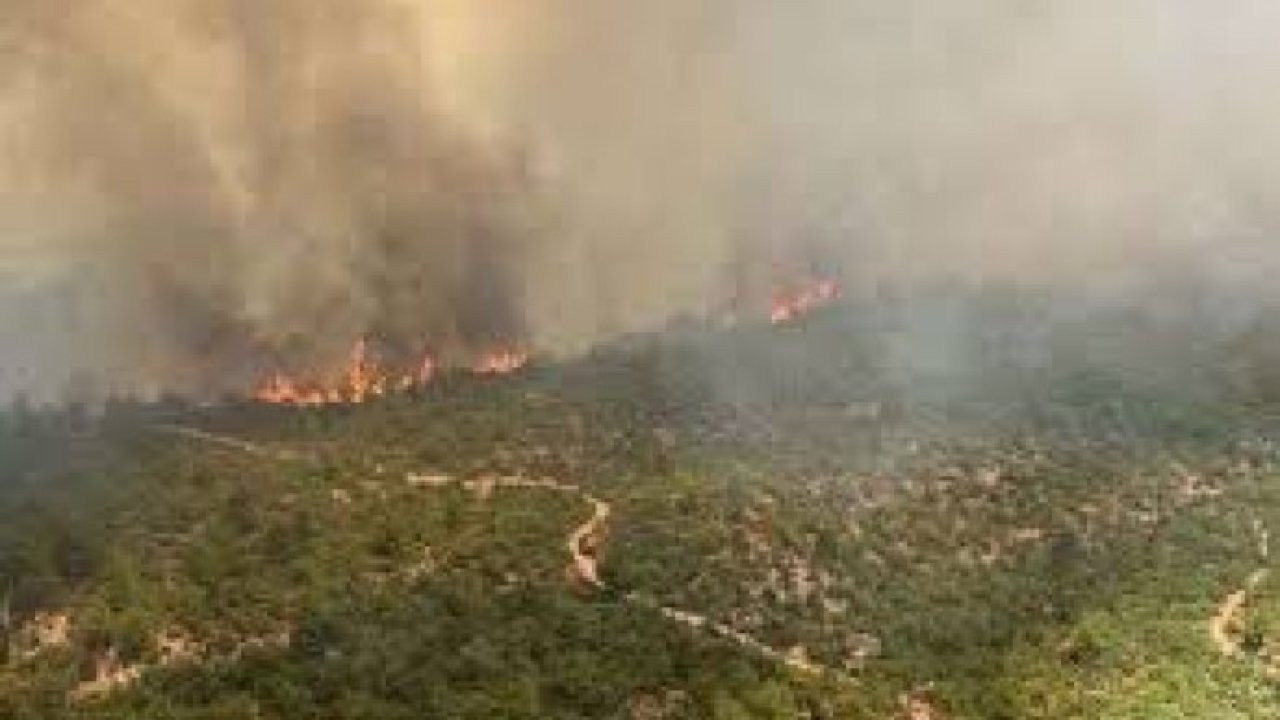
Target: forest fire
(793,305)
(365,379)
(362,380)
(501,362)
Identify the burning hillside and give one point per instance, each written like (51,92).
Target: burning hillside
(795,304)
(848,537)
(362,379)
(838,359)
(366,377)
(559,173)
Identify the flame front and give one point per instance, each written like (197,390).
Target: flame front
(364,378)
(501,362)
(792,306)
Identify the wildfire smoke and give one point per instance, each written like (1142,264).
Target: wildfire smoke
(192,190)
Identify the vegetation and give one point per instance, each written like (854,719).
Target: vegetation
(821,520)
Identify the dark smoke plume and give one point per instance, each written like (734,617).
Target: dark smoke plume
(194,191)
(246,183)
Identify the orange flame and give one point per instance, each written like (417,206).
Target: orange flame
(364,379)
(501,362)
(361,381)
(792,306)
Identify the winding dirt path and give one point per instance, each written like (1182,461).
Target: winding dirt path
(583,544)
(795,660)
(1225,623)
(585,541)
(232,443)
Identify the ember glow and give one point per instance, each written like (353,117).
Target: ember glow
(796,304)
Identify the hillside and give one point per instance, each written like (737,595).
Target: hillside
(877,512)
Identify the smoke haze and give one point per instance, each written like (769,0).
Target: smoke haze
(192,191)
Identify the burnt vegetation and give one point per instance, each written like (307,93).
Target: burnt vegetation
(982,503)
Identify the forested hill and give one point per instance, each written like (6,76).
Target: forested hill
(975,505)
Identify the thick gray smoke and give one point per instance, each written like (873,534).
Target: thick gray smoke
(194,190)
(207,187)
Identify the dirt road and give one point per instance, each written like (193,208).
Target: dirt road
(232,443)
(584,543)
(1225,623)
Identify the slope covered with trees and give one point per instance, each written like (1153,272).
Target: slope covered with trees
(973,505)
